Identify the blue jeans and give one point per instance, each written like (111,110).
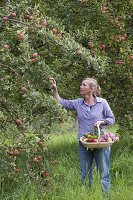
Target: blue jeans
(102,159)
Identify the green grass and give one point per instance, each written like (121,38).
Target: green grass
(64,181)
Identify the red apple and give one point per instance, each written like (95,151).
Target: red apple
(122,62)
(131,57)
(34,60)
(5,46)
(30,17)
(34,55)
(5,18)
(104,7)
(23,89)
(89,140)
(39,157)
(102,47)
(18,121)
(13,14)
(116,62)
(36,160)
(46,174)
(94,140)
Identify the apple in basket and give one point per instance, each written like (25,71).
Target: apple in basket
(90,140)
(95,140)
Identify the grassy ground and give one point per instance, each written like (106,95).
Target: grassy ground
(65,149)
(64,180)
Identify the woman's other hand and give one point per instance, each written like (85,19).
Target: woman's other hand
(98,123)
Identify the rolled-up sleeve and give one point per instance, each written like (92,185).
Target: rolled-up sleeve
(68,104)
(109,118)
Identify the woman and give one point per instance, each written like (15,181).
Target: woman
(91,111)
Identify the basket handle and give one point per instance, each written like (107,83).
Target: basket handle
(99,132)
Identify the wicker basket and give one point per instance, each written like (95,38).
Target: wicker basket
(96,145)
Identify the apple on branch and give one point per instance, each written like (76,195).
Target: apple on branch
(116,62)
(23,89)
(45,174)
(34,60)
(35,55)
(18,121)
(29,16)
(5,18)
(5,46)
(13,14)
(36,160)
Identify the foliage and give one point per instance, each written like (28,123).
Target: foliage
(105,29)
(54,40)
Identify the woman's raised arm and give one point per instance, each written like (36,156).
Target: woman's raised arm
(54,88)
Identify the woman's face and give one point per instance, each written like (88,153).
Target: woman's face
(85,88)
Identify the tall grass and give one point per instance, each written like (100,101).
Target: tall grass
(64,181)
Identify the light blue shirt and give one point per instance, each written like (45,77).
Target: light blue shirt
(88,115)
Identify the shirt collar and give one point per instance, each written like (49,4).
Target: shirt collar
(98,100)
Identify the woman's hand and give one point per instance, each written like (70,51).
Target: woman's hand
(54,88)
(98,123)
(52,82)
